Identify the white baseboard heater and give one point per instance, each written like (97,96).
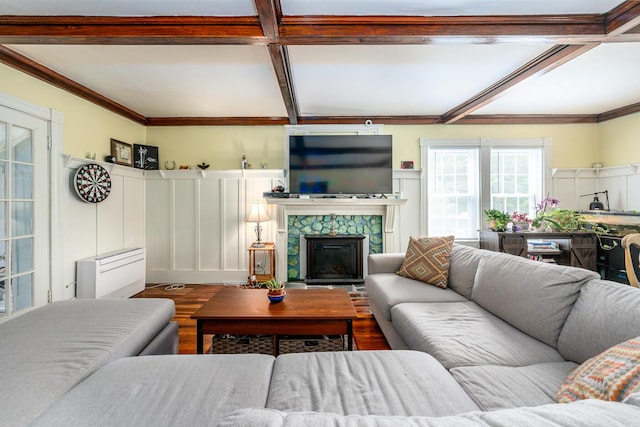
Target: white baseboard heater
(119,274)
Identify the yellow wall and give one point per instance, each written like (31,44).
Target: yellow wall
(619,141)
(87,127)
(573,145)
(221,147)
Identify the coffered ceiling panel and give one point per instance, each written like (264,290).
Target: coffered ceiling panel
(128,7)
(398,80)
(172,81)
(444,7)
(602,79)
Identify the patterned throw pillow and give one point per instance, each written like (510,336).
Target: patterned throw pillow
(427,260)
(613,375)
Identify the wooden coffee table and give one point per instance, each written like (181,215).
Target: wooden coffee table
(239,311)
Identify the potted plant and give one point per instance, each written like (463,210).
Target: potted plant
(520,221)
(275,289)
(566,220)
(497,220)
(539,223)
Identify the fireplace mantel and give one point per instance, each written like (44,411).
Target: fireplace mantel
(387,208)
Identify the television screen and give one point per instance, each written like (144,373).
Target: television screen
(340,164)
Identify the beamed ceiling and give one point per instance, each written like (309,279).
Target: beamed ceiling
(275,62)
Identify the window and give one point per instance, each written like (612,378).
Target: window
(453,192)
(466,177)
(516,175)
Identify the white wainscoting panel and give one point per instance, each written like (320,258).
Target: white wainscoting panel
(185,224)
(110,221)
(195,225)
(91,229)
(196,230)
(619,181)
(407,182)
(158,236)
(633,195)
(211,220)
(133,212)
(233,221)
(569,184)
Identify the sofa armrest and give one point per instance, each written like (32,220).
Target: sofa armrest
(384,263)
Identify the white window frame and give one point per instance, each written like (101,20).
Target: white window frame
(485,145)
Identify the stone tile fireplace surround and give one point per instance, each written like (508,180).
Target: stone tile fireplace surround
(385,209)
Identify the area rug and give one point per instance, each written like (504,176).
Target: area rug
(360,300)
(264,344)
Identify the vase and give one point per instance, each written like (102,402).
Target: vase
(276,295)
(542,228)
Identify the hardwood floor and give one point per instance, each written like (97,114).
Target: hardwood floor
(366,332)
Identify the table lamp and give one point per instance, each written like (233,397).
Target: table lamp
(258,214)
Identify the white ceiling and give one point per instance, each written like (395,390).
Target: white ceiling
(129,7)
(445,7)
(171,81)
(398,80)
(303,7)
(601,79)
(335,80)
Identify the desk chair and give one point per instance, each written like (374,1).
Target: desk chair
(627,241)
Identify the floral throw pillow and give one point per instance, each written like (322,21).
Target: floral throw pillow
(612,375)
(427,259)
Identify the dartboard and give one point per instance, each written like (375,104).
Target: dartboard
(92,183)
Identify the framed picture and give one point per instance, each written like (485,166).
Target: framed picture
(122,152)
(406,164)
(145,157)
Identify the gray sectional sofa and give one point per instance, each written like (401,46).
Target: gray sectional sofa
(490,350)
(45,352)
(508,329)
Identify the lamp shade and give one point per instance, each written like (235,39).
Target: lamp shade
(258,213)
(596,204)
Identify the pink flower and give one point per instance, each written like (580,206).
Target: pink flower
(547,202)
(519,217)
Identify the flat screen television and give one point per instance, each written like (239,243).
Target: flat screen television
(340,164)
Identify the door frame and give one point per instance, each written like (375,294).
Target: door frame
(55,125)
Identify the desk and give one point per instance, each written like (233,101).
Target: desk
(268,269)
(578,248)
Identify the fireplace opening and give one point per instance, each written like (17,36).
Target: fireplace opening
(334,259)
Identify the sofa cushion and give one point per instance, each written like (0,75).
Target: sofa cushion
(612,375)
(464,334)
(535,297)
(387,262)
(47,351)
(593,413)
(463,267)
(388,289)
(633,399)
(176,390)
(427,260)
(605,314)
(498,387)
(366,382)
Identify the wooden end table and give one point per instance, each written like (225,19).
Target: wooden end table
(240,311)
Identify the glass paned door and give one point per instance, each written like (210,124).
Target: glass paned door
(24,212)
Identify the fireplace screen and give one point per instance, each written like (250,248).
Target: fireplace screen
(334,259)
